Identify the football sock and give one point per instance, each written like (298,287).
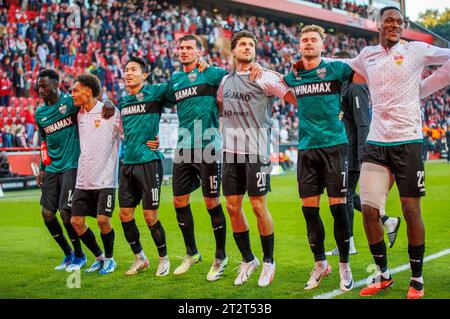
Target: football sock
(416,259)
(108,243)
(219,225)
(159,237)
(243,242)
(378,251)
(186,224)
(267,243)
(132,235)
(74,239)
(54,227)
(341,230)
(351,216)
(315,231)
(88,238)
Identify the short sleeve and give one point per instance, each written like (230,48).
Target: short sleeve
(358,64)
(220,90)
(215,75)
(289,79)
(169,99)
(161,91)
(345,72)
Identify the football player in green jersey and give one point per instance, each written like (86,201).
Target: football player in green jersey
(198,155)
(142,172)
(57,123)
(322,155)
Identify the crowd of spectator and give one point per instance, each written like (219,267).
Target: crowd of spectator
(108,32)
(350,6)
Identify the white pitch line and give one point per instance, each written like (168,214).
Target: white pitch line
(363,282)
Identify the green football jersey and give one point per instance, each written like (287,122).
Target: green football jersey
(318,93)
(58,126)
(195,93)
(140,114)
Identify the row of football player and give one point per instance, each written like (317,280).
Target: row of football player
(311,181)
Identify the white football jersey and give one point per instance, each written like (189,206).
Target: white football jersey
(99,145)
(436,81)
(394,77)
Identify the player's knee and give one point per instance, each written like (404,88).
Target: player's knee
(337,200)
(233,208)
(370,214)
(126,215)
(48,215)
(77,222)
(211,202)
(151,217)
(259,207)
(180,201)
(103,223)
(410,205)
(65,216)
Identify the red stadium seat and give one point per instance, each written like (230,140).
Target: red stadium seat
(1,122)
(14,102)
(31,101)
(23,101)
(4,112)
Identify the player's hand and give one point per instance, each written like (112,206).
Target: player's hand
(403,41)
(40,178)
(256,71)
(202,65)
(297,66)
(341,115)
(108,109)
(154,145)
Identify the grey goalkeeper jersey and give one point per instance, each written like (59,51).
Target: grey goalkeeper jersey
(247,110)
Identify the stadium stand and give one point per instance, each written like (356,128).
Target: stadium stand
(112,30)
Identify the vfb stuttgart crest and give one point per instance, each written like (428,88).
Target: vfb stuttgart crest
(322,73)
(63,109)
(97,122)
(192,77)
(140,96)
(399,59)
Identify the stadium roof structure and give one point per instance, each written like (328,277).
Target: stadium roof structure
(334,18)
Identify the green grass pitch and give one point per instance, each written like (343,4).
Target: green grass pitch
(28,253)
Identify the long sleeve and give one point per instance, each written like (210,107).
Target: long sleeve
(436,81)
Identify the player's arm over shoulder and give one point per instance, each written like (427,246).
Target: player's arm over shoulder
(215,75)
(273,84)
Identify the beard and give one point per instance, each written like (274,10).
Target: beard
(249,59)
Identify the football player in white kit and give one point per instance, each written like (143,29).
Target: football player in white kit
(393,71)
(97,180)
